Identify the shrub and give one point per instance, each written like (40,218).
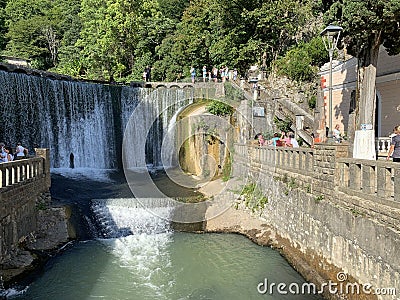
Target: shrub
(219,108)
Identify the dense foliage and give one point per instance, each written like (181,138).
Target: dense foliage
(219,108)
(117,39)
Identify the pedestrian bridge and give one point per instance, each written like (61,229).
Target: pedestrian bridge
(205,90)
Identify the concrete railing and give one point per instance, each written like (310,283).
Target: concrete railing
(18,171)
(329,171)
(296,160)
(374,180)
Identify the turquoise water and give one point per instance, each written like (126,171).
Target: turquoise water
(168,265)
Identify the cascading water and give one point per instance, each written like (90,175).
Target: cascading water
(145,129)
(85,122)
(127,216)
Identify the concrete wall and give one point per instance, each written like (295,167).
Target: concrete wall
(22,184)
(328,227)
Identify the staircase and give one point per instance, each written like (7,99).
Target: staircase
(283,108)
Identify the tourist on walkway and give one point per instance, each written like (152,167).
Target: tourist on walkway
(394,149)
(193,73)
(3,153)
(259,137)
(20,152)
(9,156)
(285,138)
(292,141)
(215,74)
(276,141)
(204,73)
(147,70)
(235,74)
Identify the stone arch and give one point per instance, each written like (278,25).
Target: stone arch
(202,139)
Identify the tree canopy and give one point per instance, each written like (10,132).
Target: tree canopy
(116,39)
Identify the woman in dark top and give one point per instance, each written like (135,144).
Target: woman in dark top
(394,150)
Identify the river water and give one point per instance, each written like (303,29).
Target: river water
(127,252)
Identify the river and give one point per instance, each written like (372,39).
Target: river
(126,252)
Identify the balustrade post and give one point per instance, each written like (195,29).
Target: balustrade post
(396,184)
(355,176)
(45,154)
(384,182)
(368,179)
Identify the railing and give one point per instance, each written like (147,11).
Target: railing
(375,180)
(18,171)
(296,160)
(383,145)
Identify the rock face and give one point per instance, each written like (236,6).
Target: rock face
(53,231)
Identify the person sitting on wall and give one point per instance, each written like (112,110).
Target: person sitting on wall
(336,134)
(20,152)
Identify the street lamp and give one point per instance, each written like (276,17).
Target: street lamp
(254,82)
(330,36)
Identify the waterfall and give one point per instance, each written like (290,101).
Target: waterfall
(146,126)
(86,122)
(123,217)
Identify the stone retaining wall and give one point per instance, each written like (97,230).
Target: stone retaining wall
(24,183)
(315,223)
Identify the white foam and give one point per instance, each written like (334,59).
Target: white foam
(9,293)
(122,217)
(102,175)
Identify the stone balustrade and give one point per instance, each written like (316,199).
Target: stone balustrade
(329,170)
(20,170)
(296,160)
(374,180)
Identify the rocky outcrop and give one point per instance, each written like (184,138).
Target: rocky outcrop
(53,232)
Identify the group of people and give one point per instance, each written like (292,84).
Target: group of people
(215,74)
(7,154)
(278,140)
(147,74)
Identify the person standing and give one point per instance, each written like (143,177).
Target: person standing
(394,149)
(193,73)
(3,153)
(20,152)
(204,73)
(147,70)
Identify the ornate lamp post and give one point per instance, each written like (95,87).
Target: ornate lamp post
(330,36)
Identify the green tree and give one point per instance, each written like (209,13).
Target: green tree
(367,25)
(3,28)
(108,37)
(34,30)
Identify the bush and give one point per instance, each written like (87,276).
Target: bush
(219,108)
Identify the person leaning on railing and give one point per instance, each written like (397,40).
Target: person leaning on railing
(394,149)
